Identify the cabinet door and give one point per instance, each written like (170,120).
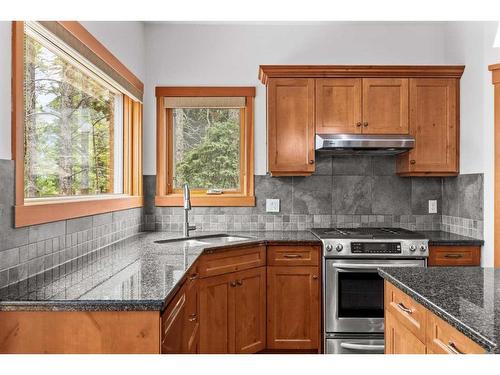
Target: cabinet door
(214,297)
(385,106)
(434,124)
(338,105)
(174,325)
(250,311)
(290,116)
(192,316)
(398,339)
(293,307)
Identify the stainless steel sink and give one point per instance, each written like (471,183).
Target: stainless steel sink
(205,239)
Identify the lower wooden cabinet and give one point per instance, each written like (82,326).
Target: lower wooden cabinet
(293,307)
(432,335)
(399,340)
(451,256)
(233,312)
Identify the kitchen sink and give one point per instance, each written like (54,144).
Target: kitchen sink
(208,239)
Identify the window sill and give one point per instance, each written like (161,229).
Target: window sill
(224,200)
(33,213)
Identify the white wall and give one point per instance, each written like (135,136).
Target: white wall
(230,54)
(5,109)
(124,39)
(470,43)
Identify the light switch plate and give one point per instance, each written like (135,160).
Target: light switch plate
(272,205)
(433,206)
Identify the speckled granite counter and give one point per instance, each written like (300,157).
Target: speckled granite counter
(440,238)
(468,298)
(135,274)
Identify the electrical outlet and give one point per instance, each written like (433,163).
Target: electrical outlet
(272,205)
(433,206)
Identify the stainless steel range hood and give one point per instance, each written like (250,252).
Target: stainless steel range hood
(364,144)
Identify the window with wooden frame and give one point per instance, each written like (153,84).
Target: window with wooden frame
(205,139)
(77,125)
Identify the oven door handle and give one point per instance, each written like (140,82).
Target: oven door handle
(373,265)
(362,347)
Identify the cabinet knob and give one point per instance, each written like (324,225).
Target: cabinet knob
(315,277)
(358,124)
(233,284)
(365,124)
(311,161)
(412,161)
(192,318)
(239,282)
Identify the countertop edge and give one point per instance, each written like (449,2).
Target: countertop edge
(460,326)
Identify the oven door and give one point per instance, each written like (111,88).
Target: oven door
(354,294)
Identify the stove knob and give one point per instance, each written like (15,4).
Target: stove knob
(413,248)
(329,247)
(339,247)
(423,248)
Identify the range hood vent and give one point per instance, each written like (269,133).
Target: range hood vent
(364,144)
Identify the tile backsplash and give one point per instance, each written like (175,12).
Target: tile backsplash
(344,191)
(33,251)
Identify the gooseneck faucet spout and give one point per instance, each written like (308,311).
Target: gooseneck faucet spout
(187,208)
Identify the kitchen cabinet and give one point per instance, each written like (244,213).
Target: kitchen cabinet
(290,118)
(338,105)
(293,316)
(304,100)
(232,312)
(451,256)
(399,340)
(434,122)
(174,325)
(385,106)
(412,329)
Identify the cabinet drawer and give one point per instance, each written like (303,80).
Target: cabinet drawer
(293,255)
(454,256)
(444,339)
(231,260)
(408,312)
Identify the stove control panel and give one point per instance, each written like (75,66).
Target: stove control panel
(376,247)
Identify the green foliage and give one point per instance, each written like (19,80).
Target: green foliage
(214,161)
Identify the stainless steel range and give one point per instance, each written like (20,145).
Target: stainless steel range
(353,292)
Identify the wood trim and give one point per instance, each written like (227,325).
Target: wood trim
(365,71)
(161,91)
(33,214)
(165,194)
(225,200)
(85,37)
(18,108)
(495,73)
(497,176)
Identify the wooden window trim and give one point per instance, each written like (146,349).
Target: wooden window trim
(32,213)
(495,78)
(164,163)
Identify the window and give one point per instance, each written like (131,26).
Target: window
(205,139)
(76,125)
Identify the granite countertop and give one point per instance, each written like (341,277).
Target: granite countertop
(135,274)
(437,237)
(468,298)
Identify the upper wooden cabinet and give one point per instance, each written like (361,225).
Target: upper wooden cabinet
(434,119)
(290,117)
(303,100)
(338,105)
(385,106)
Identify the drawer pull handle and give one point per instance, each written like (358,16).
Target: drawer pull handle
(404,308)
(193,276)
(239,282)
(192,318)
(453,348)
(292,256)
(454,256)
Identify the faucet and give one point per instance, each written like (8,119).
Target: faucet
(187,208)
